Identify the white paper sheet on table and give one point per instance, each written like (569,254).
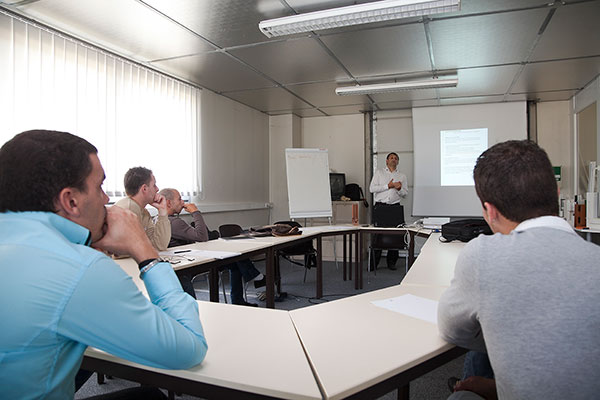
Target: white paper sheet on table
(199,253)
(413,306)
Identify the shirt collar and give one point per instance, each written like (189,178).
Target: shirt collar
(547,221)
(73,232)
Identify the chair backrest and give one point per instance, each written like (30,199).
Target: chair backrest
(229,230)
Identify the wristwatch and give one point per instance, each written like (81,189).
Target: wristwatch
(146,266)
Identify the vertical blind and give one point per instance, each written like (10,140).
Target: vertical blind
(133,115)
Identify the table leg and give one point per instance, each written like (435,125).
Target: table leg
(213,282)
(359,264)
(319,267)
(356,257)
(359,238)
(270,272)
(404,392)
(344,252)
(350,257)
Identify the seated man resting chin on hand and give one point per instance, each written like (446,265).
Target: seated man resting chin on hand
(183,233)
(59,294)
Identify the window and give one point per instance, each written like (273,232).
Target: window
(133,115)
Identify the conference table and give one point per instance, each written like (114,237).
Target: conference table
(243,248)
(347,348)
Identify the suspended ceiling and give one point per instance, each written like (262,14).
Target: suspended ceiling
(501,50)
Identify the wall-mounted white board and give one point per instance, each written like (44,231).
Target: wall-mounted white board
(309,192)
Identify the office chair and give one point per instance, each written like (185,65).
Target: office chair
(229,230)
(212,235)
(388,242)
(305,249)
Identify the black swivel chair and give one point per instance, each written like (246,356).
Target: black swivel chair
(385,215)
(212,235)
(229,230)
(388,242)
(305,249)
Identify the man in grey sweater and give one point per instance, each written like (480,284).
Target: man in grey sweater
(528,295)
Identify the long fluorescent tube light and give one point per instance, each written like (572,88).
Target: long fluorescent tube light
(354,15)
(396,86)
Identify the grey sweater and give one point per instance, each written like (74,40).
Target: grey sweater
(534,296)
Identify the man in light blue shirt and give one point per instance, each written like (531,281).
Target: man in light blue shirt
(60,295)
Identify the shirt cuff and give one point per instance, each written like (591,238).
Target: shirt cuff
(160,280)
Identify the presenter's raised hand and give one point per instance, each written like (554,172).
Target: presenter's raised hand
(391,184)
(160,203)
(398,185)
(123,234)
(190,207)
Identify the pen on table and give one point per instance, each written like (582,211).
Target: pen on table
(181,251)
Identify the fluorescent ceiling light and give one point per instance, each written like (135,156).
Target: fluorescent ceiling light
(354,15)
(397,86)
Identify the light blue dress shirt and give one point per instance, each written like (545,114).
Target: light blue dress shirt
(58,296)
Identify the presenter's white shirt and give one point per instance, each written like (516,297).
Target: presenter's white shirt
(380,190)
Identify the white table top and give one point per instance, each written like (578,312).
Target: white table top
(435,264)
(587,230)
(250,349)
(334,335)
(353,344)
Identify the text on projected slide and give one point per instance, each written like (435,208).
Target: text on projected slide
(459,150)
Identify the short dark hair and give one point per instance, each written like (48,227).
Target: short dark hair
(392,153)
(135,178)
(517,177)
(36,165)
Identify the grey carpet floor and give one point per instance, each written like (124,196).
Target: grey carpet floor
(431,386)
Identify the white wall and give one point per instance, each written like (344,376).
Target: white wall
(589,95)
(343,137)
(284,132)
(554,131)
(235,163)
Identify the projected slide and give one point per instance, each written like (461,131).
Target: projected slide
(447,141)
(459,150)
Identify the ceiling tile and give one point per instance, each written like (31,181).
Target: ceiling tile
(308,112)
(383,51)
(396,105)
(563,38)
(557,75)
(405,95)
(482,81)
(292,61)
(485,39)
(124,26)
(304,6)
(488,6)
(471,100)
(323,94)
(224,22)
(345,110)
(543,96)
(426,103)
(270,99)
(215,71)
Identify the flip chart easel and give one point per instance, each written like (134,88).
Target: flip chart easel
(309,192)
